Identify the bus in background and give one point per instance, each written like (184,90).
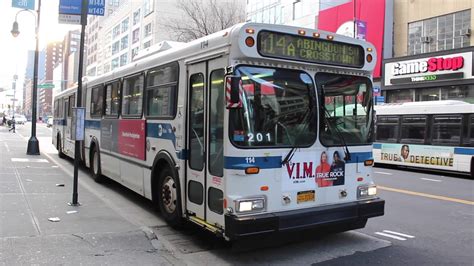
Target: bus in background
(435,135)
(237,132)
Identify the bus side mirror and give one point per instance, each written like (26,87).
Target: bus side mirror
(233,92)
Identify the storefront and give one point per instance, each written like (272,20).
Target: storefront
(446,75)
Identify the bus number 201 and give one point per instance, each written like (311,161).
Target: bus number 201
(259,137)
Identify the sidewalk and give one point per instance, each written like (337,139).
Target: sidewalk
(34,189)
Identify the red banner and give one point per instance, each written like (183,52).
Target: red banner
(131,139)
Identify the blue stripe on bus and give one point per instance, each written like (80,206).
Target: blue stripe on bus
(94,124)
(240,163)
(359,157)
(271,162)
(464,151)
(377,145)
(161,131)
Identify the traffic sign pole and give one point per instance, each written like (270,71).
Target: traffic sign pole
(77,146)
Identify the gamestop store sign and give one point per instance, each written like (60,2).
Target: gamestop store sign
(429,69)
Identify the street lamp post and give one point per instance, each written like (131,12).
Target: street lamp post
(33,144)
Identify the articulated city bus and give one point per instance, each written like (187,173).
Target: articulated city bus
(238,131)
(434,135)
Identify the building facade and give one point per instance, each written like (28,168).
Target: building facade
(114,40)
(432,54)
(302,13)
(53,56)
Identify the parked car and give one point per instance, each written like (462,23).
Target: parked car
(49,123)
(20,119)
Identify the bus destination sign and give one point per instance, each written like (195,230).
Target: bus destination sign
(320,51)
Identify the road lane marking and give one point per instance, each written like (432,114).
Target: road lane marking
(429,179)
(414,193)
(6,146)
(383,173)
(28,160)
(398,234)
(391,236)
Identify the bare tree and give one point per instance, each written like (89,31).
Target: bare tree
(203,17)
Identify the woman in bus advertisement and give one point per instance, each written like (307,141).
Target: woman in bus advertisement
(330,174)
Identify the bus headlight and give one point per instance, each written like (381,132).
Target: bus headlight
(366,191)
(256,204)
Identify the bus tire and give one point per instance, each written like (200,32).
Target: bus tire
(95,166)
(472,166)
(169,198)
(60,148)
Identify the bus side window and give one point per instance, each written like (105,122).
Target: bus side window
(387,128)
(161,91)
(413,129)
(97,101)
(447,129)
(471,130)
(132,102)
(112,99)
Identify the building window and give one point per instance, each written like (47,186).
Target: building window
(116,31)
(124,43)
(440,33)
(135,52)
(147,44)
(115,47)
(123,59)
(136,35)
(125,25)
(147,31)
(399,96)
(148,7)
(115,63)
(136,17)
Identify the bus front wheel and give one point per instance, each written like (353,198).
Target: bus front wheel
(170,198)
(95,166)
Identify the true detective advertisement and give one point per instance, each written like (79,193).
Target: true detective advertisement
(308,170)
(417,155)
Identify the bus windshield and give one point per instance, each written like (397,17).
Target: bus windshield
(346,103)
(278,109)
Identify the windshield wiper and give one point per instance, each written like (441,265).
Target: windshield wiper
(290,154)
(347,154)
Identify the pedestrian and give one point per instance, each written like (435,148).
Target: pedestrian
(4,120)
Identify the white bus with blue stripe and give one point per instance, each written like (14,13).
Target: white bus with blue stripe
(434,135)
(253,130)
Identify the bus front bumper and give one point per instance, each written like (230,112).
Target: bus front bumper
(346,213)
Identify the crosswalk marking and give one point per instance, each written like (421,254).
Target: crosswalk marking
(399,234)
(391,236)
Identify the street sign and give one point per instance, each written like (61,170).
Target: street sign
(24,4)
(69,19)
(96,7)
(73,7)
(46,86)
(77,129)
(14,100)
(379,99)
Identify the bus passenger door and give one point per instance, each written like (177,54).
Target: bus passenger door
(195,167)
(68,142)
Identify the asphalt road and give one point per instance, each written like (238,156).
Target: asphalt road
(429,220)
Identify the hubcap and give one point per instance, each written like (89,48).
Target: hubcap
(168,194)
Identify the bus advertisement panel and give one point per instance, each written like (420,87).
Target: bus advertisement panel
(308,170)
(418,155)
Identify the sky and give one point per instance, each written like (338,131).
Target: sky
(13,51)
